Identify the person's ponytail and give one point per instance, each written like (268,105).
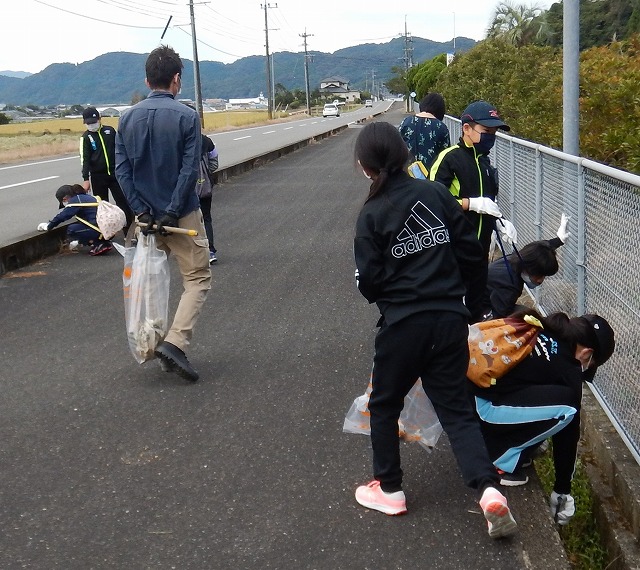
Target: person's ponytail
(381,152)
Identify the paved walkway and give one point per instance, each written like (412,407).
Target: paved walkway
(109,464)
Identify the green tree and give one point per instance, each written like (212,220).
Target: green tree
(601,22)
(524,83)
(517,24)
(423,77)
(282,96)
(398,83)
(4,119)
(610,105)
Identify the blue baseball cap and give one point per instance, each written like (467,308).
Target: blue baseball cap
(484,114)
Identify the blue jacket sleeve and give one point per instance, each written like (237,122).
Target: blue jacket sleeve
(190,165)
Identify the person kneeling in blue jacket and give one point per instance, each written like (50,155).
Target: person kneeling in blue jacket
(85,229)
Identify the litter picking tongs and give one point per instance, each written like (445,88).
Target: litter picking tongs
(170,229)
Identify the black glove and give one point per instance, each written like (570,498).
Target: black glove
(148,221)
(167,220)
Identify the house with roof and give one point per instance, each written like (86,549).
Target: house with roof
(337,87)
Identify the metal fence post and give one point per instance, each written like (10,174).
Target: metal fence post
(582,239)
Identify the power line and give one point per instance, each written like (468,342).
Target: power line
(98,19)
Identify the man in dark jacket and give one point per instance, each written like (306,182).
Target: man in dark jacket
(158,153)
(98,158)
(465,169)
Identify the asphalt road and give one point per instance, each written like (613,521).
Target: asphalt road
(111,464)
(27,189)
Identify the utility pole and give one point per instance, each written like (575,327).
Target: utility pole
(266,33)
(306,68)
(373,82)
(571,77)
(408,61)
(196,67)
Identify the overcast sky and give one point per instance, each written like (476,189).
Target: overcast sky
(37,33)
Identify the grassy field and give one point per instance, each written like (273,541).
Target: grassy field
(53,137)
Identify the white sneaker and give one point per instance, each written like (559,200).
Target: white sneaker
(73,245)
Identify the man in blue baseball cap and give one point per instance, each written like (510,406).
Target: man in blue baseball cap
(467,171)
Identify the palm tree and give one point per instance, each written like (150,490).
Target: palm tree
(517,24)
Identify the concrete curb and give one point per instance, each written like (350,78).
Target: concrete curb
(614,477)
(29,248)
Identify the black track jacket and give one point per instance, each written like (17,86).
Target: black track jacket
(468,174)
(98,152)
(413,248)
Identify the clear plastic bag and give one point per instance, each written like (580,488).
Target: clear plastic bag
(146,281)
(418,420)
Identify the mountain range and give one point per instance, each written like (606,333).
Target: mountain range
(114,78)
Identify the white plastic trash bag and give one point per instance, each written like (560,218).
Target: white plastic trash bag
(418,420)
(146,281)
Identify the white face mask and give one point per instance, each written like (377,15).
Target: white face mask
(93,127)
(585,368)
(366,175)
(528,281)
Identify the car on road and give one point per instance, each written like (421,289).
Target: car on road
(331,110)
(368,103)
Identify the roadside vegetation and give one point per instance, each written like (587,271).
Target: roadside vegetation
(580,537)
(518,68)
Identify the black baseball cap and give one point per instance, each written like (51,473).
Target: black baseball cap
(603,340)
(90,115)
(484,114)
(62,192)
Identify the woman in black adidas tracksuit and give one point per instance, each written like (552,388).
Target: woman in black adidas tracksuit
(540,398)
(413,247)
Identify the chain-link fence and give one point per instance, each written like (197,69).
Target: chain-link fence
(599,264)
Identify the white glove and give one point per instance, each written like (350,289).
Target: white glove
(484,206)
(562,508)
(508,232)
(562,233)
(43,226)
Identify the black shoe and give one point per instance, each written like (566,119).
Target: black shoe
(102,248)
(512,479)
(176,361)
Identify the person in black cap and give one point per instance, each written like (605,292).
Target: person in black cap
(467,171)
(85,229)
(540,398)
(98,158)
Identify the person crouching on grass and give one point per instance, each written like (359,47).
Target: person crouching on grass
(413,249)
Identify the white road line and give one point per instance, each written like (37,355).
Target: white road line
(28,182)
(41,162)
(240,138)
(268,132)
(287,128)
